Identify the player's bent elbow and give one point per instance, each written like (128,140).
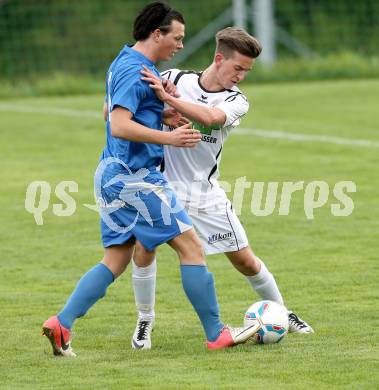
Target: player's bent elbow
(115,130)
(214,118)
(208,120)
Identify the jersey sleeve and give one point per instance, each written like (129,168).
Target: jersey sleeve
(235,107)
(170,74)
(127,91)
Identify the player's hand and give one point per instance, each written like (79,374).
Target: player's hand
(170,88)
(155,83)
(173,118)
(185,137)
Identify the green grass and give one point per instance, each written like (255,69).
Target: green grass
(327,268)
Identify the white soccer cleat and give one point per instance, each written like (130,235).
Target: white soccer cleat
(142,334)
(229,337)
(241,335)
(297,325)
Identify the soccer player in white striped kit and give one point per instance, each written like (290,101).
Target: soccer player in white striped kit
(215,105)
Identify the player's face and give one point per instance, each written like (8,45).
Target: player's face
(232,70)
(171,42)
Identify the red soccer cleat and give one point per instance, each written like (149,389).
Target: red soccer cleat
(59,337)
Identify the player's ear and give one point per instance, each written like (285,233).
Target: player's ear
(156,34)
(219,58)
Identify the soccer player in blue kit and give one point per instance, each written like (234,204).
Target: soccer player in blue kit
(134,198)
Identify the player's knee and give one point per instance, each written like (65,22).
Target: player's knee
(246,265)
(193,252)
(197,248)
(245,261)
(143,257)
(253,263)
(116,260)
(253,267)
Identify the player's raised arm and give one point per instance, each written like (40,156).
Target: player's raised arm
(123,126)
(197,112)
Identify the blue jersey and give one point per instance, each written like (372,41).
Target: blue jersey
(125,88)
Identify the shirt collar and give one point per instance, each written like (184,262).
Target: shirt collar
(129,49)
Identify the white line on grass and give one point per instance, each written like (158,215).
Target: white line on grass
(278,134)
(307,137)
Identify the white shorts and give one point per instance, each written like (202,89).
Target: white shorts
(220,230)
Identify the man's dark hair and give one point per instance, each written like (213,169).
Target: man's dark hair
(153,16)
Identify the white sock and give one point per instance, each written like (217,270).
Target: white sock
(144,280)
(265,285)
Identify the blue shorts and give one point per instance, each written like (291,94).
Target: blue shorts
(138,206)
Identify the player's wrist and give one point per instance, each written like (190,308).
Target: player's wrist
(167,138)
(167,98)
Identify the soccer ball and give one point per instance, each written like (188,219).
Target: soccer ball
(273,319)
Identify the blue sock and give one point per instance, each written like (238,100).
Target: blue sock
(199,287)
(90,288)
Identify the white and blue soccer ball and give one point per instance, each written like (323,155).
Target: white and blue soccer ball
(273,319)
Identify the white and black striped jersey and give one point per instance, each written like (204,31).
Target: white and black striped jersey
(193,172)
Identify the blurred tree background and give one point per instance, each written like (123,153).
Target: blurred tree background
(40,38)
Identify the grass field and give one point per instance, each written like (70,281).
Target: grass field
(327,268)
